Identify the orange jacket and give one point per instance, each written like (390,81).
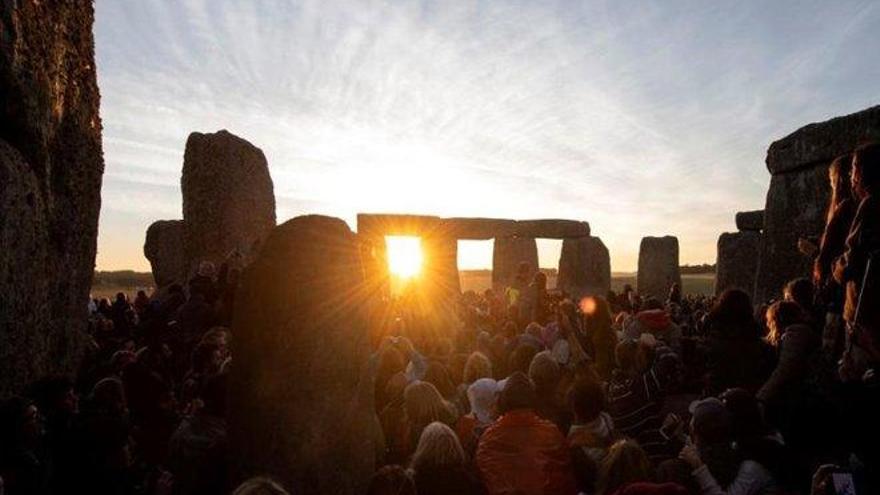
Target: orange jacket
(524,454)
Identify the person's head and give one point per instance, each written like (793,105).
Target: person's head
(521,358)
(781,315)
(632,357)
(141,294)
(518,393)
(799,290)
(108,395)
(219,337)
(206,358)
(746,419)
(838,177)
(587,400)
(423,403)
(391,480)
(625,463)
(477,366)
(120,297)
(544,373)
(540,280)
(438,447)
(483,398)
(260,486)
(865,174)
(651,303)
(732,315)
(710,422)
(437,374)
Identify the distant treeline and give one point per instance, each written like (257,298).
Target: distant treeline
(122,278)
(697,269)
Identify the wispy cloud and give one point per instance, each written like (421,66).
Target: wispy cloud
(641,118)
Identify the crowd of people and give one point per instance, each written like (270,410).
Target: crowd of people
(529,392)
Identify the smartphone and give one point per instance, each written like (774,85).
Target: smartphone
(668,431)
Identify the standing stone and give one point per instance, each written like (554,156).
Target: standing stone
(584,267)
(228,198)
(164,249)
(658,266)
(440,266)
(737,262)
(50,186)
(750,221)
(507,254)
(799,193)
(297,410)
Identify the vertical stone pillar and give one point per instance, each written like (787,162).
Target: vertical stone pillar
(584,267)
(658,266)
(507,254)
(737,264)
(299,410)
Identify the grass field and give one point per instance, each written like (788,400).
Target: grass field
(107,284)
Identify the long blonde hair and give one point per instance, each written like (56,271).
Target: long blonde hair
(624,463)
(438,446)
(423,404)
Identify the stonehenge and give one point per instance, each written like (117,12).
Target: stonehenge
(301,411)
(584,267)
(736,264)
(799,192)
(658,266)
(750,221)
(514,244)
(228,207)
(51,167)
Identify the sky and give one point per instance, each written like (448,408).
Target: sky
(640,117)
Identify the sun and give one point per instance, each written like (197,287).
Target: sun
(404,255)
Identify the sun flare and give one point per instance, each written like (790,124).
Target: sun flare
(404,255)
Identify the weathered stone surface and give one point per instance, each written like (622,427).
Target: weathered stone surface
(478,228)
(584,267)
(469,228)
(164,249)
(658,266)
(297,410)
(821,142)
(440,266)
(552,229)
(51,185)
(737,262)
(228,198)
(507,254)
(795,208)
(381,224)
(750,221)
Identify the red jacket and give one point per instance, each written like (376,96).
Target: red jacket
(524,454)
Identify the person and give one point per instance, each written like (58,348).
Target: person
(839,217)
(483,399)
(546,375)
(801,291)
(422,404)
(391,480)
(476,367)
(625,463)
(21,467)
(600,335)
(522,453)
(635,397)
(197,450)
(716,465)
(592,432)
(439,464)
(862,243)
(795,341)
(655,320)
(736,356)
